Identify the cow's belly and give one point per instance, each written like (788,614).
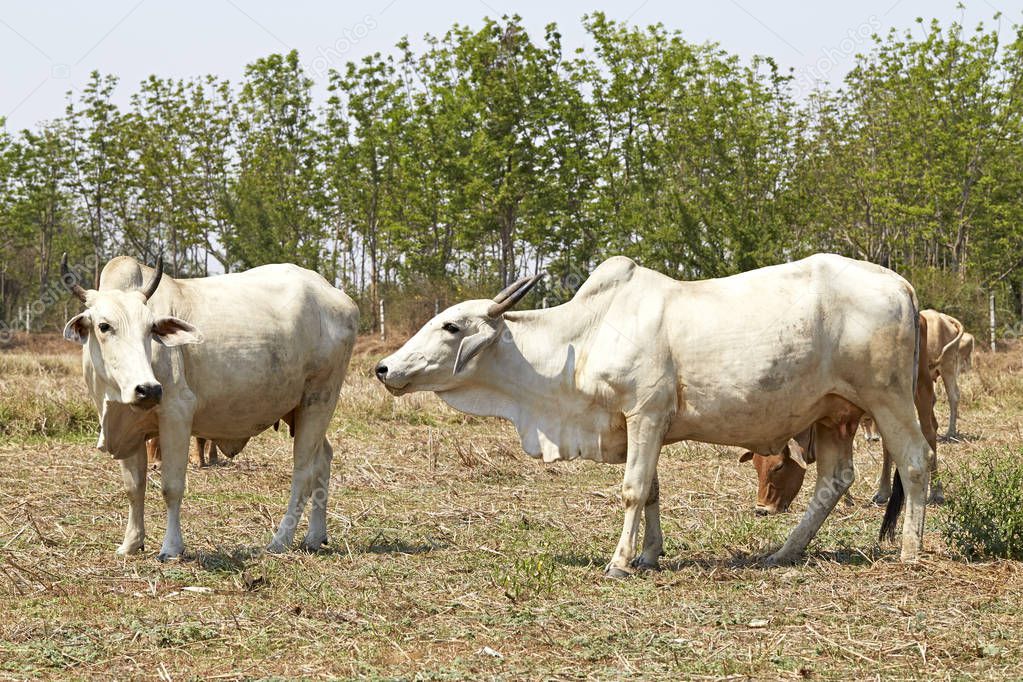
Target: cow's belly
(760,424)
(247,411)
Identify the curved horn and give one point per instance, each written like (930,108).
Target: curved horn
(150,288)
(70,280)
(500,308)
(510,289)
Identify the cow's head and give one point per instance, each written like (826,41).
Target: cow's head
(439,356)
(116,329)
(779,477)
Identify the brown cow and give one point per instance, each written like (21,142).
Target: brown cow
(781,476)
(197,456)
(944,335)
(966,352)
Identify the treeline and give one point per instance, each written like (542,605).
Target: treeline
(435,173)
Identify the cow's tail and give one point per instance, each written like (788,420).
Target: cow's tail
(894,508)
(898,497)
(954,343)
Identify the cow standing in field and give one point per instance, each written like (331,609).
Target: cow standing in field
(275,344)
(944,335)
(636,360)
(780,476)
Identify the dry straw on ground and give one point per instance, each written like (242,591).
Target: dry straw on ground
(455,556)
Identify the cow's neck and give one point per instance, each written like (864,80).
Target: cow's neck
(533,376)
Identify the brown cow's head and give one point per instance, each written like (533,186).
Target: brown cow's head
(779,477)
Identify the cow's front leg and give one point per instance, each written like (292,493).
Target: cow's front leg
(174,442)
(134,471)
(653,538)
(645,437)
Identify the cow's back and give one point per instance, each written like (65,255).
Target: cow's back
(791,336)
(270,333)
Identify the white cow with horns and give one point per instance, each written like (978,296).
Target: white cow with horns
(637,360)
(275,344)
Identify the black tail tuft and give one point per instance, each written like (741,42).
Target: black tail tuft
(894,508)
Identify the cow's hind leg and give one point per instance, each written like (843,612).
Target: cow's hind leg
(835,474)
(910,452)
(311,422)
(936,494)
(316,537)
(645,435)
(134,471)
(950,379)
(653,538)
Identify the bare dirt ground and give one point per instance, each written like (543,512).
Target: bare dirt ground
(453,556)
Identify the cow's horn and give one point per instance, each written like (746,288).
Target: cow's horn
(510,289)
(70,279)
(155,282)
(500,308)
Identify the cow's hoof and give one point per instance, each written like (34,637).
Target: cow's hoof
(616,573)
(778,559)
(314,545)
(276,547)
(936,498)
(879,500)
(127,549)
(641,564)
(164,557)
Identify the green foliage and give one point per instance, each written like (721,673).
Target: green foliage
(527,571)
(983,516)
(490,152)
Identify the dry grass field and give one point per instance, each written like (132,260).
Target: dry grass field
(454,556)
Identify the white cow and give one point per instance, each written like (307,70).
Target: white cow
(637,360)
(278,339)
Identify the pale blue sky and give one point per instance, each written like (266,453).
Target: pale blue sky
(47,48)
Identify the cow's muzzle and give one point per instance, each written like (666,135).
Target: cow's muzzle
(147,396)
(394,382)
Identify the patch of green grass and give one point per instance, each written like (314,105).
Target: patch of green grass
(983,516)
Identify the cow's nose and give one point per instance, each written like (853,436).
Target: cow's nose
(381,371)
(148,393)
(760,511)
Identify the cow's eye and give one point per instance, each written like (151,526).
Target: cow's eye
(451,328)
(104,327)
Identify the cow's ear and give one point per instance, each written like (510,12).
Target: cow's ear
(472,345)
(746,456)
(796,453)
(77,328)
(170,331)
